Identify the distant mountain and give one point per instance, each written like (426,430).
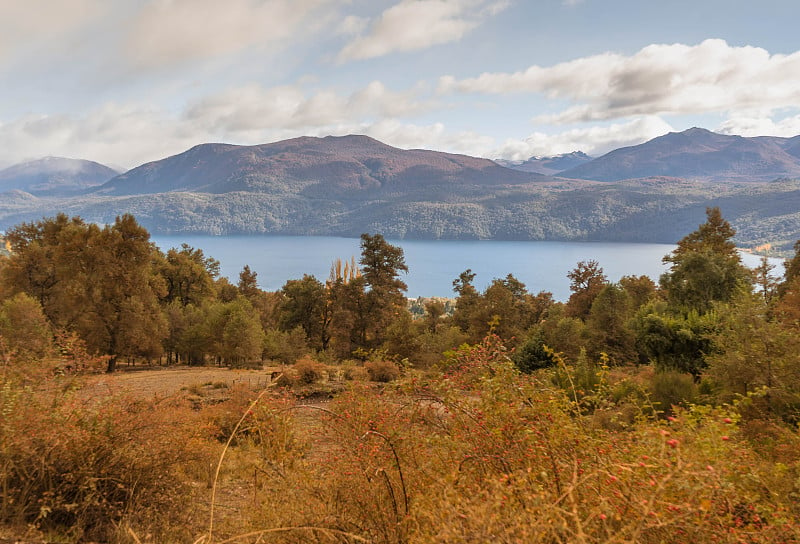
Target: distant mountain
(345,186)
(697,154)
(55,176)
(547,165)
(314,167)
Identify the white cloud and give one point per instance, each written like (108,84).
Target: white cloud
(112,134)
(595,140)
(658,80)
(435,137)
(761,126)
(129,134)
(35,21)
(418,24)
(167,32)
(253,108)
(353,25)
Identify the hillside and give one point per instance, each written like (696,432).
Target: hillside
(54,176)
(346,186)
(314,167)
(697,154)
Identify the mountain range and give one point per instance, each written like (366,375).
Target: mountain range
(653,192)
(547,165)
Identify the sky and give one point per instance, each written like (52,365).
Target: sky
(123,82)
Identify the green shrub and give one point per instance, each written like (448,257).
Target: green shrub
(672,388)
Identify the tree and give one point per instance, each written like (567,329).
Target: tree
(764,280)
(586,281)
(532,355)
(123,316)
(242,336)
(608,326)
(98,282)
(640,289)
(705,267)
(675,341)
(24,330)
(304,305)
(189,275)
(754,352)
(381,265)
(248,283)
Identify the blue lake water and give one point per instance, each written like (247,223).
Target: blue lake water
(433,264)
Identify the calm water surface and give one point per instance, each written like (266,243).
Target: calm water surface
(433,264)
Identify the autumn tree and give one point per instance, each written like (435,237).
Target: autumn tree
(248,283)
(586,281)
(98,282)
(788,306)
(24,329)
(123,316)
(188,275)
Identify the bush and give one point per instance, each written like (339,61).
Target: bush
(532,356)
(382,371)
(85,468)
(354,371)
(671,388)
(308,371)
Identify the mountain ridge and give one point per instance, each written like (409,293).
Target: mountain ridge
(344,186)
(315,166)
(698,154)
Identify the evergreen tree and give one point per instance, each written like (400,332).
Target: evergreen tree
(705,267)
(381,265)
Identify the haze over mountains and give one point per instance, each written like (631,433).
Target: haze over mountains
(54,176)
(548,165)
(653,192)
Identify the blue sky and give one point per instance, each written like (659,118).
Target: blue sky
(128,81)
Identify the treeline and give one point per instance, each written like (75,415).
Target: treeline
(710,325)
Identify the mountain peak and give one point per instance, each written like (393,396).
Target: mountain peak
(699,154)
(310,165)
(54,176)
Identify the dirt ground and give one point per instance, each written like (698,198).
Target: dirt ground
(159,382)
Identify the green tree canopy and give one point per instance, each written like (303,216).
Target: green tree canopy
(705,267)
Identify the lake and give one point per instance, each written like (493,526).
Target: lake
(432,264)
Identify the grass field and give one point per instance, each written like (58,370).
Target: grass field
(472,451)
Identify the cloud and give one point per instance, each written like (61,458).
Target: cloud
(252,108)
(434,136)
(112,134)
(658,80)
(418,24)
(129,134)
(169,32)
(32,21)
(595,140)
(761,126)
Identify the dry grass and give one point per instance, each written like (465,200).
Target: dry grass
(479,453)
